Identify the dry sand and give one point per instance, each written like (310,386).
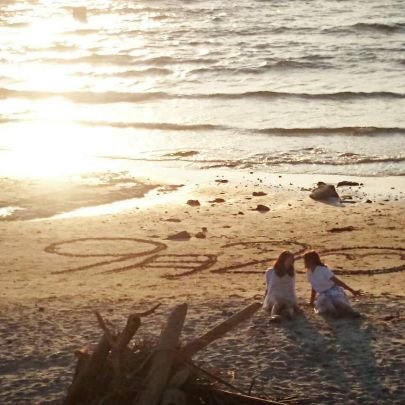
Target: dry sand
(56,271)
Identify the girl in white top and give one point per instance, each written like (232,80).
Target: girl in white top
(280,287)
(327,294)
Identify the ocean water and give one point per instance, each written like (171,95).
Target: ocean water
(301,86)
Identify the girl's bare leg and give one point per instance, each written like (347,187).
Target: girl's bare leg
(327,307)
(275,311)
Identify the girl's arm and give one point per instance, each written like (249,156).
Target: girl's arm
(312,299)
(340,283)
(268,279)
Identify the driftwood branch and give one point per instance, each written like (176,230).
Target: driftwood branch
(118,349)
(103,326)
(148,312)
(156,374)
(133,324)
(213,377)
(81,385)
(233,397)
(218,331)
(163,358)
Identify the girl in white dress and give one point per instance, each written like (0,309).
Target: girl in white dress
(280,287)
(327,293)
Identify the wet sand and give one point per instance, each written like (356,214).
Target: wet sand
(56,270)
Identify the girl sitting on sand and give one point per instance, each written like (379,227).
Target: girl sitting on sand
(327,288)
(280,295)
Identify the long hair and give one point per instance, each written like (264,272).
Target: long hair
(279,265)
(312,259)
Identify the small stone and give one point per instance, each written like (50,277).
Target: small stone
(193,203)
(347,183)
(200,235)
(180,236)
(262,208)
(217,200)
(258,193)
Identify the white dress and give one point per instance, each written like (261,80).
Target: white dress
(328,294)
(279,289)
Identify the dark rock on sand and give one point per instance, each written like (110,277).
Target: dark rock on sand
(258,193)
(262,208)
(347,183)
(342,229)
(221,181)
(369,202)
(324,192)
(217,200)
(193,203)
(182,154)
(200,235)
(181,236)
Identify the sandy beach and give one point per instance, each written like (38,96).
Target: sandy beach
(165,152)
(59,264)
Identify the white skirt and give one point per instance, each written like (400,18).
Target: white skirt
(327,299)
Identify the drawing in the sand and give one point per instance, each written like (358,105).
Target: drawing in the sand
(120,254)
(259,253)
(361,259)
(141,253)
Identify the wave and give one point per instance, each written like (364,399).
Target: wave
(117,59)
(85,97)
(94,59)
(122,97)
(153,71)
(171,126)
(296,64)
(292,161)
(163,126)
(352,130)
(290,158)
(395,27)
(376,27)
(342,95)
(166,60)
(270,65)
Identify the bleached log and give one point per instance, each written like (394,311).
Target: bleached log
(218,331)
(163,358)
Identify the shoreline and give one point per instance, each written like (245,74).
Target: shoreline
(128,190)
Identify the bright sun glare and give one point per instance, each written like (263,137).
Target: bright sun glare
(48,149)
(49,144)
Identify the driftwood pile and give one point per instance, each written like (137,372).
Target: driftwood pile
(154,373)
